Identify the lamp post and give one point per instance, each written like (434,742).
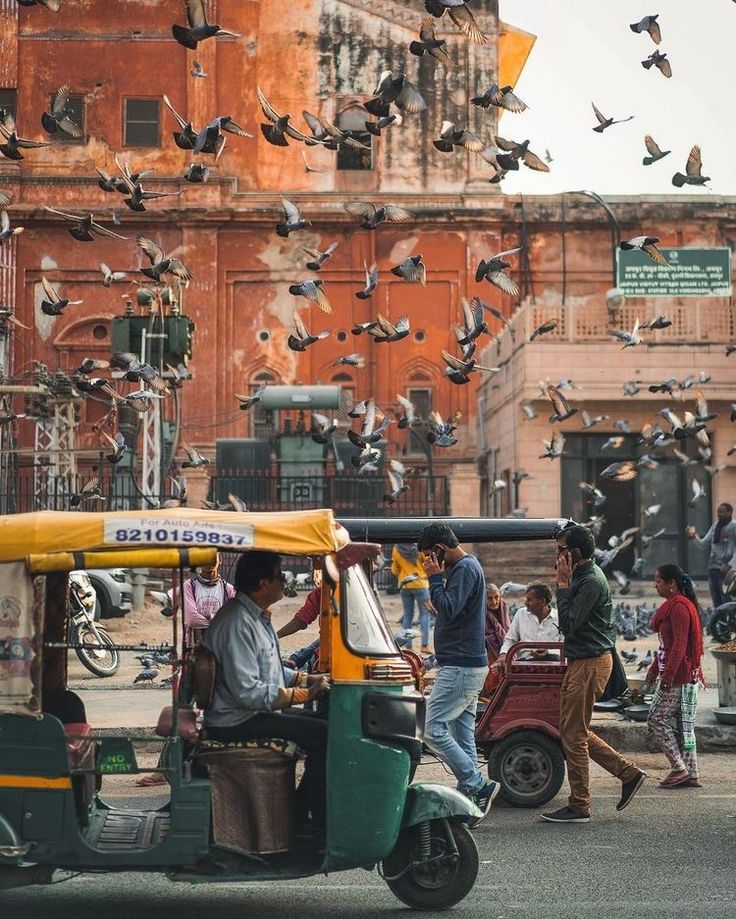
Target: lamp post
(612,223)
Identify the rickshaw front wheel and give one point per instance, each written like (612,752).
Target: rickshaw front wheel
(433,865)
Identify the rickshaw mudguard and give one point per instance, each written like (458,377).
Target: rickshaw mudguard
(11,847)
(426,801)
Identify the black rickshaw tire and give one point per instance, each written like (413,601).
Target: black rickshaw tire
(534,745)
(407,885)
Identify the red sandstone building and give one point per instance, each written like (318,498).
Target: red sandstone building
(120,59)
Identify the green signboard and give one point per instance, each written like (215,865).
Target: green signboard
(690,273)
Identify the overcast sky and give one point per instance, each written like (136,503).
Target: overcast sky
(586,52)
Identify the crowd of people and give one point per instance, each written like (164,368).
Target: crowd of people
(261,692)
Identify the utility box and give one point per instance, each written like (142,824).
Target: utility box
(174,349)
(301,471)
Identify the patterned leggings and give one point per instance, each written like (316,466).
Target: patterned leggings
(671,722)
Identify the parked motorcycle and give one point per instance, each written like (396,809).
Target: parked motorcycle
(94,647)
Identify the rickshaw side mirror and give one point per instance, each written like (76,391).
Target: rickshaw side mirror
(330,571)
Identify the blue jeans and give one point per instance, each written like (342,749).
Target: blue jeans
(449,730)
(421,595)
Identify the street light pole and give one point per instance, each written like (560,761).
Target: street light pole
(612,222)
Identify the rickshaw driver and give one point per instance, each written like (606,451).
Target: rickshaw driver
(252,687)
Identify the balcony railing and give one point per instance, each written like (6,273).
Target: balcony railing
(707,321)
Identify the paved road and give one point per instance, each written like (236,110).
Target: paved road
(671,854)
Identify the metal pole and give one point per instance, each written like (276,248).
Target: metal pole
(612,222)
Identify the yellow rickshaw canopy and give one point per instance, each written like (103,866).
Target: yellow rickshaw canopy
(310,532)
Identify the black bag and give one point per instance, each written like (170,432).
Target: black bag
(617,683)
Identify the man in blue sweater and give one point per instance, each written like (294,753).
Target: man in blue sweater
(458,592)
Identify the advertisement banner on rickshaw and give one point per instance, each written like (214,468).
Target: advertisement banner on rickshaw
(144,530)
(21,616)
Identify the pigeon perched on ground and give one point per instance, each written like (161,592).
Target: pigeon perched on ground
(655,154)
(604,122)
(146,676)
(645,662)
(693,170)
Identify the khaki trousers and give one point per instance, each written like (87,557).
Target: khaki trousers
(584,683)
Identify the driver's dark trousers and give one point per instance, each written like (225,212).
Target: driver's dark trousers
(308,731)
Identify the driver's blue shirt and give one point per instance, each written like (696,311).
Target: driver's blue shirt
(459,597)
(249,670)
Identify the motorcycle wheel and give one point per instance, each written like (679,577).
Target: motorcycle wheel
(722,625)
(441,882)
(99,655)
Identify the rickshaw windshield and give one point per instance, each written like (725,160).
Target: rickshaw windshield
(364,624)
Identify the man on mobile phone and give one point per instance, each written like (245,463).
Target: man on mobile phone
(457,589)
(586,621)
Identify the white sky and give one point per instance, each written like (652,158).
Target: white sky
(586,52)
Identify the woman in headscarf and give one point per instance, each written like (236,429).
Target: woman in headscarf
(498,622)
(677,670)
(413,588)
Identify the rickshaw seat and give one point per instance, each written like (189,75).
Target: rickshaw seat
(64,705)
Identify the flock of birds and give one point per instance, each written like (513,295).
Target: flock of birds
(394,99)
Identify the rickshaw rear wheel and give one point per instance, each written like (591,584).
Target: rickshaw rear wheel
(439,881)
(530,767)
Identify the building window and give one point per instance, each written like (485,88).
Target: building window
(9,101)
(422,400)
(353,158)
(75,108)
(141,117)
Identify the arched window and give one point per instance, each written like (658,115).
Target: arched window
(352,120)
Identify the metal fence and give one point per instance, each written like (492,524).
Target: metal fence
(347,495)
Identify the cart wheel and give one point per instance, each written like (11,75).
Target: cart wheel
(445,879)
(530,767)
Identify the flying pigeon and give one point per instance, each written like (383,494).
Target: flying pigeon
(655,154)
(659,60)
(647,245)
(604,122)
(693,170)
(199,29)
(648,24)
(429,43)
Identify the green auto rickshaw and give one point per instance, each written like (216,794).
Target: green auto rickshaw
(228,815)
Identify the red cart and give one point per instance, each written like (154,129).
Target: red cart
(519,729)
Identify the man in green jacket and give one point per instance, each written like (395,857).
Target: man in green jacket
(586,621)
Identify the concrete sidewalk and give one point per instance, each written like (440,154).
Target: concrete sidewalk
(124,711)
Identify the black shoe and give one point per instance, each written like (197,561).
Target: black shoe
(483,800)
(630,788)
(566,815)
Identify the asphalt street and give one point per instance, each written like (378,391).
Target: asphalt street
(671,854)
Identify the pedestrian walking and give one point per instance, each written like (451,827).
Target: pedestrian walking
(721,539)
(586,621)
(457,588)
(413,589)
(677,672)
